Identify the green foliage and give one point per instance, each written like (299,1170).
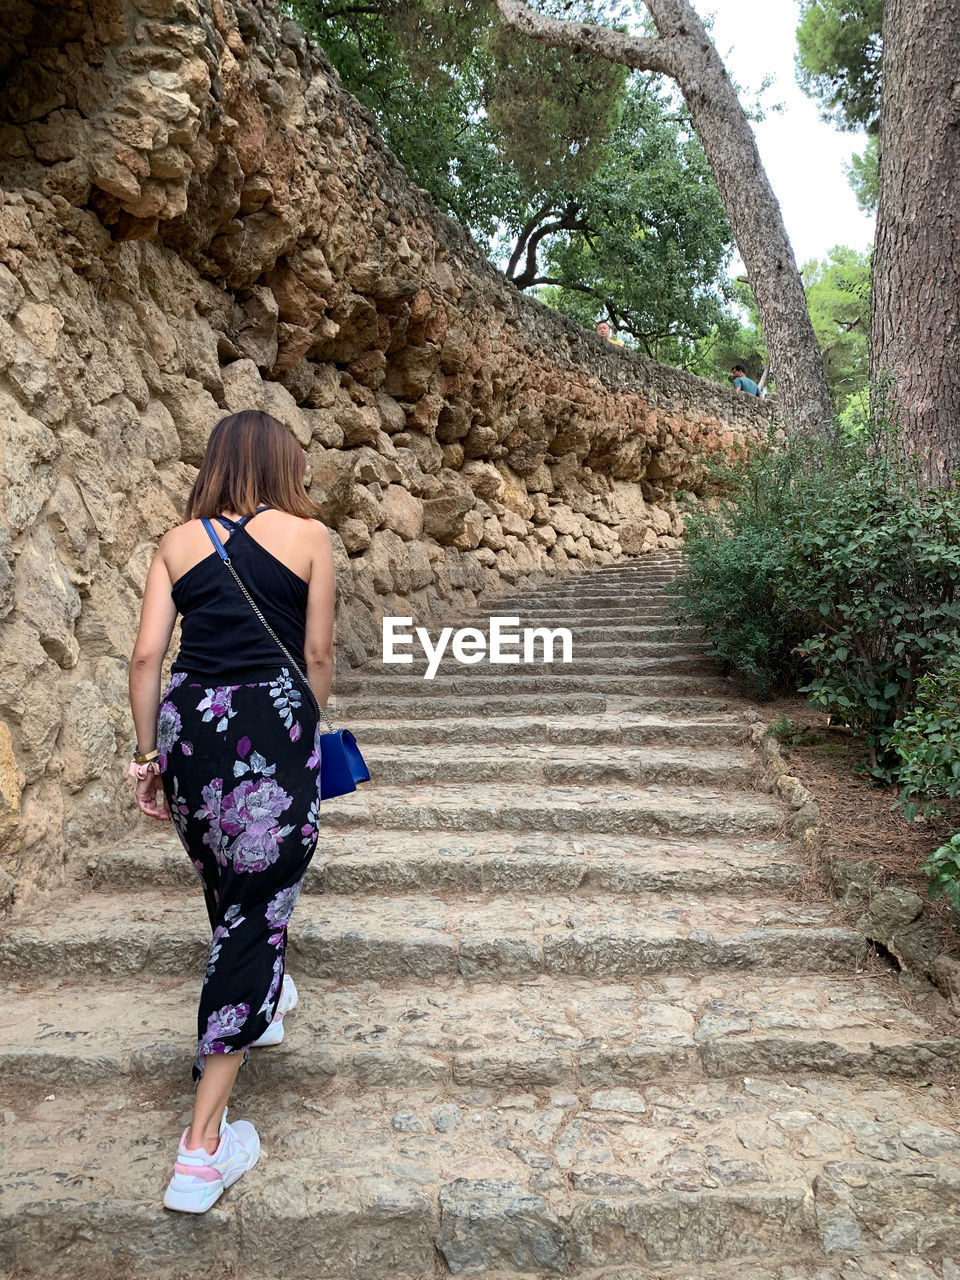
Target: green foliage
(736,338)
(838,296)
(830,562)
(786,732)
(732,560)
(927,739)
(863,174)
(879,558)
(838,63)
(477,115)
(652,240)
(427,97)
(601,173)
(553,110)
(943,868)
(734,557)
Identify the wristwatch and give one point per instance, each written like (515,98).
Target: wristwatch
(144,757)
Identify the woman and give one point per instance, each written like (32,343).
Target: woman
(233,741)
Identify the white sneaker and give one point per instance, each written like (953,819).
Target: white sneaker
(200,1179)
(287,1001)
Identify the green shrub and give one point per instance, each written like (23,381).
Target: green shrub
(831,567)
(727,590)
(943,868)
(927,740)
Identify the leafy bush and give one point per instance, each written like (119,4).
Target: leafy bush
(829,562)
(943,868)
(727,590)
(927,739)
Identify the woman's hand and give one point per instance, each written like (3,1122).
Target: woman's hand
(151,798)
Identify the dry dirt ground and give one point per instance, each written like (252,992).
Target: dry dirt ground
(833,766)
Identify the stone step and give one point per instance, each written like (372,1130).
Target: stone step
(501,939)
(610,809)
(624,652)
(358,707)
(617,630)
(555,677)
(679,662)
(590,658)
(670,565)
(550,1032)
(610,731)
(530,762)
(601,583)
(660,592)
(594,640)
(555,613)
(389,1184)
(601,580)
(358,860)
(614,598)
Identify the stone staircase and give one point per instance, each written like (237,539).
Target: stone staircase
(570,1005)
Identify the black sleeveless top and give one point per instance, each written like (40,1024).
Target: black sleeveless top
(220,635)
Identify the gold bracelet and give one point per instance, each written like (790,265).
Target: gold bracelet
(144,757)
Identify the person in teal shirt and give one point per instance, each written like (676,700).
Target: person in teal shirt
(742,383)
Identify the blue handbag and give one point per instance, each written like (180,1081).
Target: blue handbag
(341,764)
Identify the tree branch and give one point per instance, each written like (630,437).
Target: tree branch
(642,53)
(566,284)
(567,220)
(526,231)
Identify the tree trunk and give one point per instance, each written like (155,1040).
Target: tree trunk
(914,324)
(684,51)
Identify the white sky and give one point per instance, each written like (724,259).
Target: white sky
(804,157)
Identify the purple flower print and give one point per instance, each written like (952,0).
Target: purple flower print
(250,813)
(176,681)
(218,705)
(280,909)
(243,747)
(314,761)
(286,699)
(219,933)
(309,830)
(222,1022)
(267,1006)
(212,797)
(168,731)
(231,920)
(179,812)
(256,764)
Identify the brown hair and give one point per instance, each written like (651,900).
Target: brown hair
(251,459)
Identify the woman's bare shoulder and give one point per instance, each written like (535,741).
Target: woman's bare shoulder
(309,526)
(178,534)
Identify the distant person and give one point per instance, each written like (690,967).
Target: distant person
(741,382)
(604,331)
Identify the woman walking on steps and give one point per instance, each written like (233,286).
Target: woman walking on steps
(233,741)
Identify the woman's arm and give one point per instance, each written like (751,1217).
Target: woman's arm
(158,614)
(321,595)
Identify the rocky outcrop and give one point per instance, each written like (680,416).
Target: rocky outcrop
(196,219)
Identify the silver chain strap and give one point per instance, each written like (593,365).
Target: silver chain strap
(278,642)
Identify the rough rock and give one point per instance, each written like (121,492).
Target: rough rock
(196,219)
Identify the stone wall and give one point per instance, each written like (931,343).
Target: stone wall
(196,219)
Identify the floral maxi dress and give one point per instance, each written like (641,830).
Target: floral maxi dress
(240,763)
(241,771)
